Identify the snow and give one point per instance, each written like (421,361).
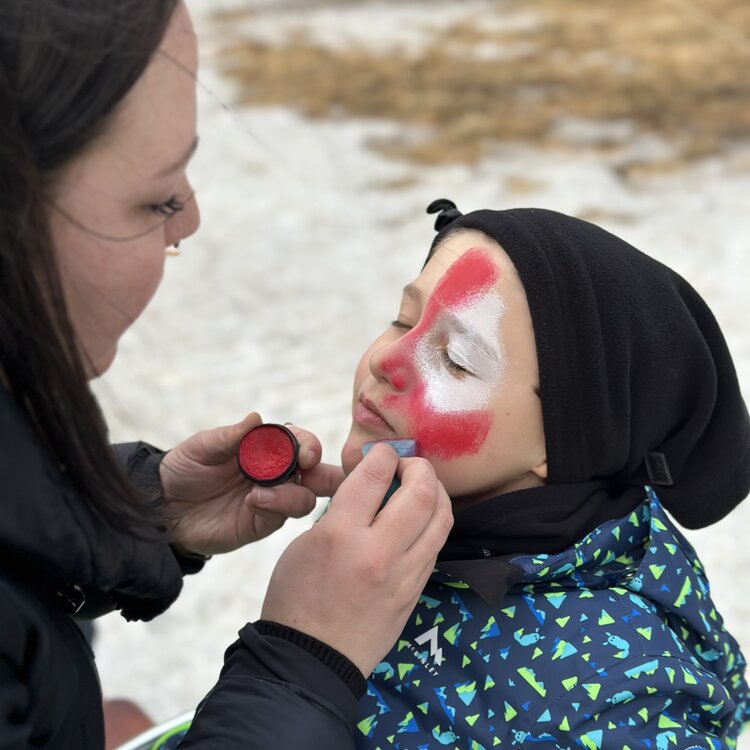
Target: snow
(382,26)
(304,248)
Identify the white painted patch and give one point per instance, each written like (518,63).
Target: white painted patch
(470,336)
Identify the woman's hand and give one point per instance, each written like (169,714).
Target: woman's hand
(215,509)
(352,580)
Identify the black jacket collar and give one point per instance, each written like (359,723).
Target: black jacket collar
(486,537)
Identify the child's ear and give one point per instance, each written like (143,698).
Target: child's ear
(541,470)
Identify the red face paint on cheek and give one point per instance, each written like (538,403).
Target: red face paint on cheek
(268,454)
(441,433)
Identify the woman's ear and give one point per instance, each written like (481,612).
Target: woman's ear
(541,470)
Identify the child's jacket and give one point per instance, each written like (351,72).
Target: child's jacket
(613,643)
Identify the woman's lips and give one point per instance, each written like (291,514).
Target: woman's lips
(365,414)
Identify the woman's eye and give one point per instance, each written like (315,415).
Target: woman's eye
(169,208)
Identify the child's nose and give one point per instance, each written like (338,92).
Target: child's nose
(390,363)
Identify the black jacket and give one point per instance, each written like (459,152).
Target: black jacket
(278,689)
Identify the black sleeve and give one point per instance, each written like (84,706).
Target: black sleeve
(273,693)
(141,463)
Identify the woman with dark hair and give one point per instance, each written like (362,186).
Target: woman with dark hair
(97,125)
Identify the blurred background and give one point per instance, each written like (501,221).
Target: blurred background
(326,128)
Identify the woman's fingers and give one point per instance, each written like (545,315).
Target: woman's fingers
(435,532)
(216,446)
(352,579)
(360,495)
(415,503)
(289,500)
(310,449)
(323,479)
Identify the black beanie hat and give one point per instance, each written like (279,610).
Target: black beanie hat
(636,381)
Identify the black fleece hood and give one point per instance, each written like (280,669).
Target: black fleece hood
(637,383)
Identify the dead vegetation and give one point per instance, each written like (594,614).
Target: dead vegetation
(676,68)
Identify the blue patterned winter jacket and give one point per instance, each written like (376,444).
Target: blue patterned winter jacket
(613,643)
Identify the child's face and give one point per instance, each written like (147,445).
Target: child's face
(457,372)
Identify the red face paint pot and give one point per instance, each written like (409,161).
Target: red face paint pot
(268,454)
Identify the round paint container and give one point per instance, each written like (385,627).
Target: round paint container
(268,454)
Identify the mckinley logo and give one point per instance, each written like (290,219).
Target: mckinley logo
(429,637)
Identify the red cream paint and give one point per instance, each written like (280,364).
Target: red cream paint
(445,435)
(268,454)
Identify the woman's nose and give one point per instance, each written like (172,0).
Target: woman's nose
(391,363)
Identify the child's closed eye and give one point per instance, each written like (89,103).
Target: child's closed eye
(401,325)
(454,362)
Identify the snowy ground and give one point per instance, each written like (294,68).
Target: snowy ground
(304,247)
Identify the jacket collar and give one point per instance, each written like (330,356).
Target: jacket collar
(531,534)
(642,555)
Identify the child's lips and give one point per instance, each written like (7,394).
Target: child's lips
(366,414)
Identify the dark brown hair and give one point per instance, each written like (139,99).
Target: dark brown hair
(64,68)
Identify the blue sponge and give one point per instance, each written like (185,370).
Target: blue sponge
(406,448)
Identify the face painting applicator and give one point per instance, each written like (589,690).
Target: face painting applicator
(268,455)
(406,448)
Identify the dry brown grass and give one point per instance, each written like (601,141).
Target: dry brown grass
(678,68)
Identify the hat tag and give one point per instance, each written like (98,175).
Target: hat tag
(658,469)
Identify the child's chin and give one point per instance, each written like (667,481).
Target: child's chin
(351,454)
